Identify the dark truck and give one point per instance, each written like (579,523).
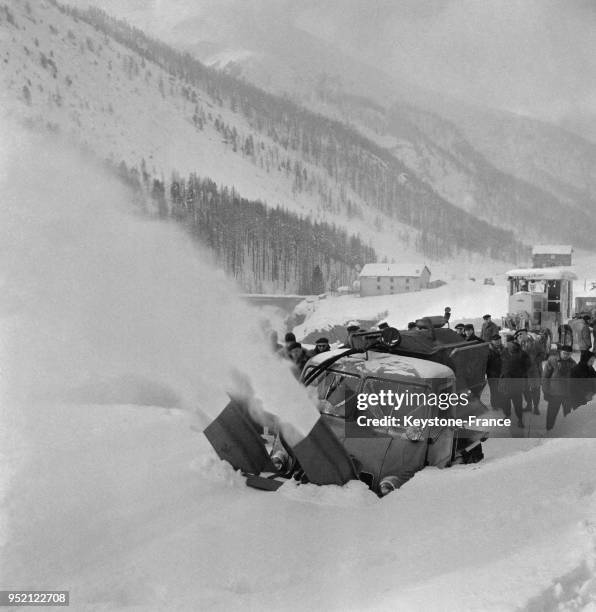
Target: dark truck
(379,445)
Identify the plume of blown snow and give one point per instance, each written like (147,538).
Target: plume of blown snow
(102,304)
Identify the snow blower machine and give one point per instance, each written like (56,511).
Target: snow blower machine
(389,404)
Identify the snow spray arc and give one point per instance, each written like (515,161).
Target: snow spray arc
(105,306)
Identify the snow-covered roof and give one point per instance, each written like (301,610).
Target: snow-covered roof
(385,269)
(543,273)
(552,249)
(385,365)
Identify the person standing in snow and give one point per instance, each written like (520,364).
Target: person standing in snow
(289,339)
(321,346)
(298,357)
(514,369)
(557,385)
(584,380)
(493,371)
(470,333)
(584,337)
(534,351)
(489,329)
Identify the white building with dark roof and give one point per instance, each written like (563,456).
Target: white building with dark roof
(386,279)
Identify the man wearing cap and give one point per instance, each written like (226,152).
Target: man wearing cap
(489,329)
(298,358)
(536,355)
(493,371)
(514,369)
(470,334)
(284,351)
(321,346)
(382,325)
(459,328)
(557,385)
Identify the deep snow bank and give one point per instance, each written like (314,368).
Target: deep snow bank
(468,301)
(129,509)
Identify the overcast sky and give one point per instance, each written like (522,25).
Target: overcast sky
(530,56)
(525,55)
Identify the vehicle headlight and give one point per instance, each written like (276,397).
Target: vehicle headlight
(388,484)
(280,461)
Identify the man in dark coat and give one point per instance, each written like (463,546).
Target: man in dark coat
(298,357)
(584,383)
(493,371)
(489,329)
(514,370)
(470,334)
(459,328)
(321,346)
(535,352)
(585,336)
(289,339)
(557,384)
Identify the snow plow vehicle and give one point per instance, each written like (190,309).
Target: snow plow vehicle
(541,299)
(384,414)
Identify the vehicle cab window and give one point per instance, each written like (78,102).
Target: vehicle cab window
(337,394)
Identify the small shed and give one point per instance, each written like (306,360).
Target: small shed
(551,255)
(387,279)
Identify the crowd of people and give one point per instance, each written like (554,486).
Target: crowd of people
(519,367)
(295,353)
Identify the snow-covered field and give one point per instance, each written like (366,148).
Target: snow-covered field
(119,341)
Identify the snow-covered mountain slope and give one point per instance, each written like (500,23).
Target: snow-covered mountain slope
(65,75)
(96,90)
(558,161)
(502,166)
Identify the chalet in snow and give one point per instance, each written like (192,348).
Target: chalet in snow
(386,279)
(551,255)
